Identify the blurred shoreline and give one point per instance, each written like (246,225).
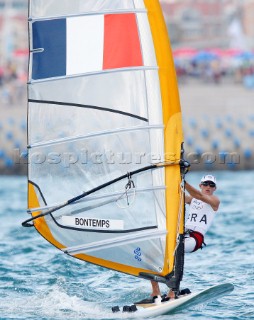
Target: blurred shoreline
(218,122)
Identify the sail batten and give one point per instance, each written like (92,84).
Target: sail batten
(96,134)
(103,196)
(31,19)
(87,74)
(143,235)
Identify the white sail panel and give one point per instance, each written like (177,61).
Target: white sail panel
(131,221)
(48,8)
(151,255)
(121,98)
(120,91)
(146,40)
(73,125)
(107,209)
(63,170)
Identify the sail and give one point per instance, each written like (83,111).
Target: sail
(105,133)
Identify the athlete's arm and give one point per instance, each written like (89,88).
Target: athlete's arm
(188,199)
(210,199)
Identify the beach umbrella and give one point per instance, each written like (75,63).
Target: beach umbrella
(217,51)
(205,56)
(245,55)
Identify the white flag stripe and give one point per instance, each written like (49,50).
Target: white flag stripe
(84,49)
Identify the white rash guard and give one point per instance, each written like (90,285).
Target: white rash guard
(200,218)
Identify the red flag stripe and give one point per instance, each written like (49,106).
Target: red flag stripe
(121,42)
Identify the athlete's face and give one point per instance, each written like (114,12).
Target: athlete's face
(207,187)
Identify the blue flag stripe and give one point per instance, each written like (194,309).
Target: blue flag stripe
(51,36)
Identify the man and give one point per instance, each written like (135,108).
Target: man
(203,206)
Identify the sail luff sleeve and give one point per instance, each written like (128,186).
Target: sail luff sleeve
(172,120)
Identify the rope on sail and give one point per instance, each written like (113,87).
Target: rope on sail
(174,281)
(129,185)
(27,223)
(179,213)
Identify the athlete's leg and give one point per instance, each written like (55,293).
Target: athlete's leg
(155,289)
(189,244)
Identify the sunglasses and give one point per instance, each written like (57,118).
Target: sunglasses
(208,183)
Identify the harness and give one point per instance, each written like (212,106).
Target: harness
(199,238)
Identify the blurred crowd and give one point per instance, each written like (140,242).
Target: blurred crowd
(215,66)
(13,79)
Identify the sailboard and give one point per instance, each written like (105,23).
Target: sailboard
(105,139)
(184,301)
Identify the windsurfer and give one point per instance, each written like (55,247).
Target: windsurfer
(203,206)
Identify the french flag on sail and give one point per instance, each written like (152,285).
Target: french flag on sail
(84,44)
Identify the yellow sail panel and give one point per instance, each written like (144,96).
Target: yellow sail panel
(112,265)
(173,126)
(40,223)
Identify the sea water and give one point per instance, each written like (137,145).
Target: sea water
(37,281)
